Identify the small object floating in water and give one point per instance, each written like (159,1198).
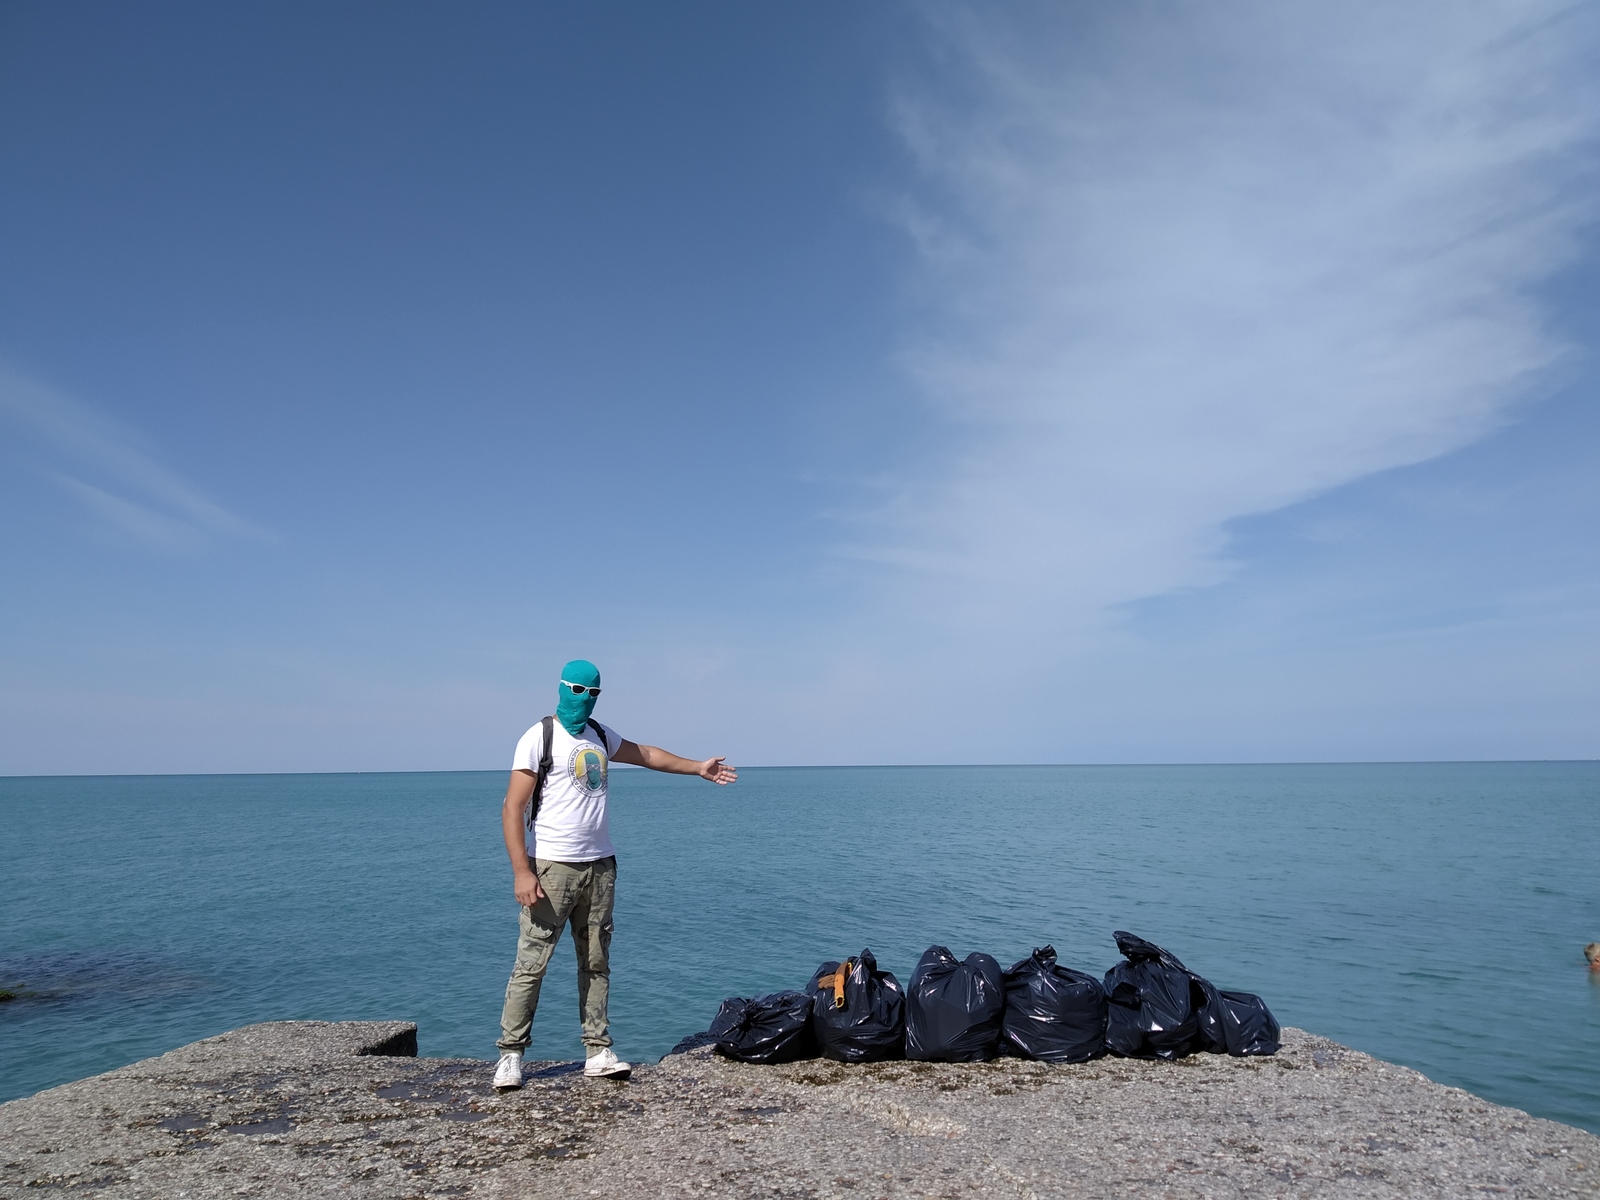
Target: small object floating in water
(1592,953)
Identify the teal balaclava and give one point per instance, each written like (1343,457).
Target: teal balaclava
(573,711)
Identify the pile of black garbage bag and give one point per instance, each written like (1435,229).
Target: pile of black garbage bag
(1148,1006)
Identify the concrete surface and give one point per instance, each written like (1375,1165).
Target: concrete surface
(312,1109)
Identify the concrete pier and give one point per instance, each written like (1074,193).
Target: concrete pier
(312,1109)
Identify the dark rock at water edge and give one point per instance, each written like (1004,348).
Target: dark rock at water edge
(311,1109)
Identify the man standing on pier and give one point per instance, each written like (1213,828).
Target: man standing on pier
(563,866)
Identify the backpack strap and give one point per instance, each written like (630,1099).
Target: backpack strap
(600,736)
(546,758)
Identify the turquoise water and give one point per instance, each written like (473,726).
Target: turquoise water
(1430,914)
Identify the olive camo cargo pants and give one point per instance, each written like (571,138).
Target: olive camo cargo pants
(582,893)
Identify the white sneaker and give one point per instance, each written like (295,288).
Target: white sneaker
(606,1064)
(508,1075)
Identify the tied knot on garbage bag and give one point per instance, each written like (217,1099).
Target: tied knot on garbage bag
(1161,1009)
(858,1013)
(953,1008)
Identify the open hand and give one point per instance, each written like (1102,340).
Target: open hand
(717,771)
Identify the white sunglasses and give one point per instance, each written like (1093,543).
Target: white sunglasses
(578,689)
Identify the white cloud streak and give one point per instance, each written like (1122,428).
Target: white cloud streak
(1184,263)
(132,493)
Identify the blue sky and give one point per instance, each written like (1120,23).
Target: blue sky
(853,383)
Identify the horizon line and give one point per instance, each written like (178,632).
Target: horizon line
(1373,762)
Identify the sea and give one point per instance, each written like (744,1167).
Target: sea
(1431,914)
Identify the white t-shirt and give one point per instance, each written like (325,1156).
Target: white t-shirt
(571,825)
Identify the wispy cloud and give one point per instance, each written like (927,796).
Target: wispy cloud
(1189,262)
(126,487)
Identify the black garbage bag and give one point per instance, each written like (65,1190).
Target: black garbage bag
(767,1029)
(728,1015)
(1248,1025)
(858,1013)
(770,1029)
(1053,1013)
(1159,1008)
(953,1008)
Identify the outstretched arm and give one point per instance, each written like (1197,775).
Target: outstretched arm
(658,759)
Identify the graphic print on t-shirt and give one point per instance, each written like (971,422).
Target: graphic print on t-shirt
(587,764)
